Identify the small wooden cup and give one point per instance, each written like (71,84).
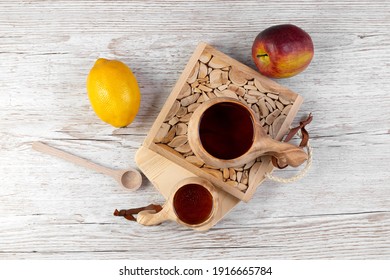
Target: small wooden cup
(168,212)
(262,143)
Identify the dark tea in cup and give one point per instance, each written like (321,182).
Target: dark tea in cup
(193,204)
(226,130)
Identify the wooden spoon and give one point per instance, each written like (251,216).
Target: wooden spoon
(128,178)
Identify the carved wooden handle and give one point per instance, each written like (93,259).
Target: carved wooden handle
(151,218)
(285,153)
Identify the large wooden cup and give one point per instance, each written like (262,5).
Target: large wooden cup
(262,144)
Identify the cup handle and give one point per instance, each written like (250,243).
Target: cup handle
(285,153)
(151,218)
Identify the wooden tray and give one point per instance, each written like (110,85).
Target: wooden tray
(209,74)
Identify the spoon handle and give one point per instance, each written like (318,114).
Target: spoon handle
(41,147)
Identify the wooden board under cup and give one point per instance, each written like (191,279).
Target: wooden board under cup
(209,74)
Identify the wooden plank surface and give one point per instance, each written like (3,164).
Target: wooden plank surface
(51,209)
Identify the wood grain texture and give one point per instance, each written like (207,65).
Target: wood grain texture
(51,209)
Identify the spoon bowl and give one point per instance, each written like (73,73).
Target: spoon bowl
(130,179)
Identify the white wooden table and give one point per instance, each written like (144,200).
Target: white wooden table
(51,209)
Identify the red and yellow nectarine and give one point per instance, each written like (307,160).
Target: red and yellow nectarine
(282,51)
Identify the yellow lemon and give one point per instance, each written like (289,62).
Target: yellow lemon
(113,92)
